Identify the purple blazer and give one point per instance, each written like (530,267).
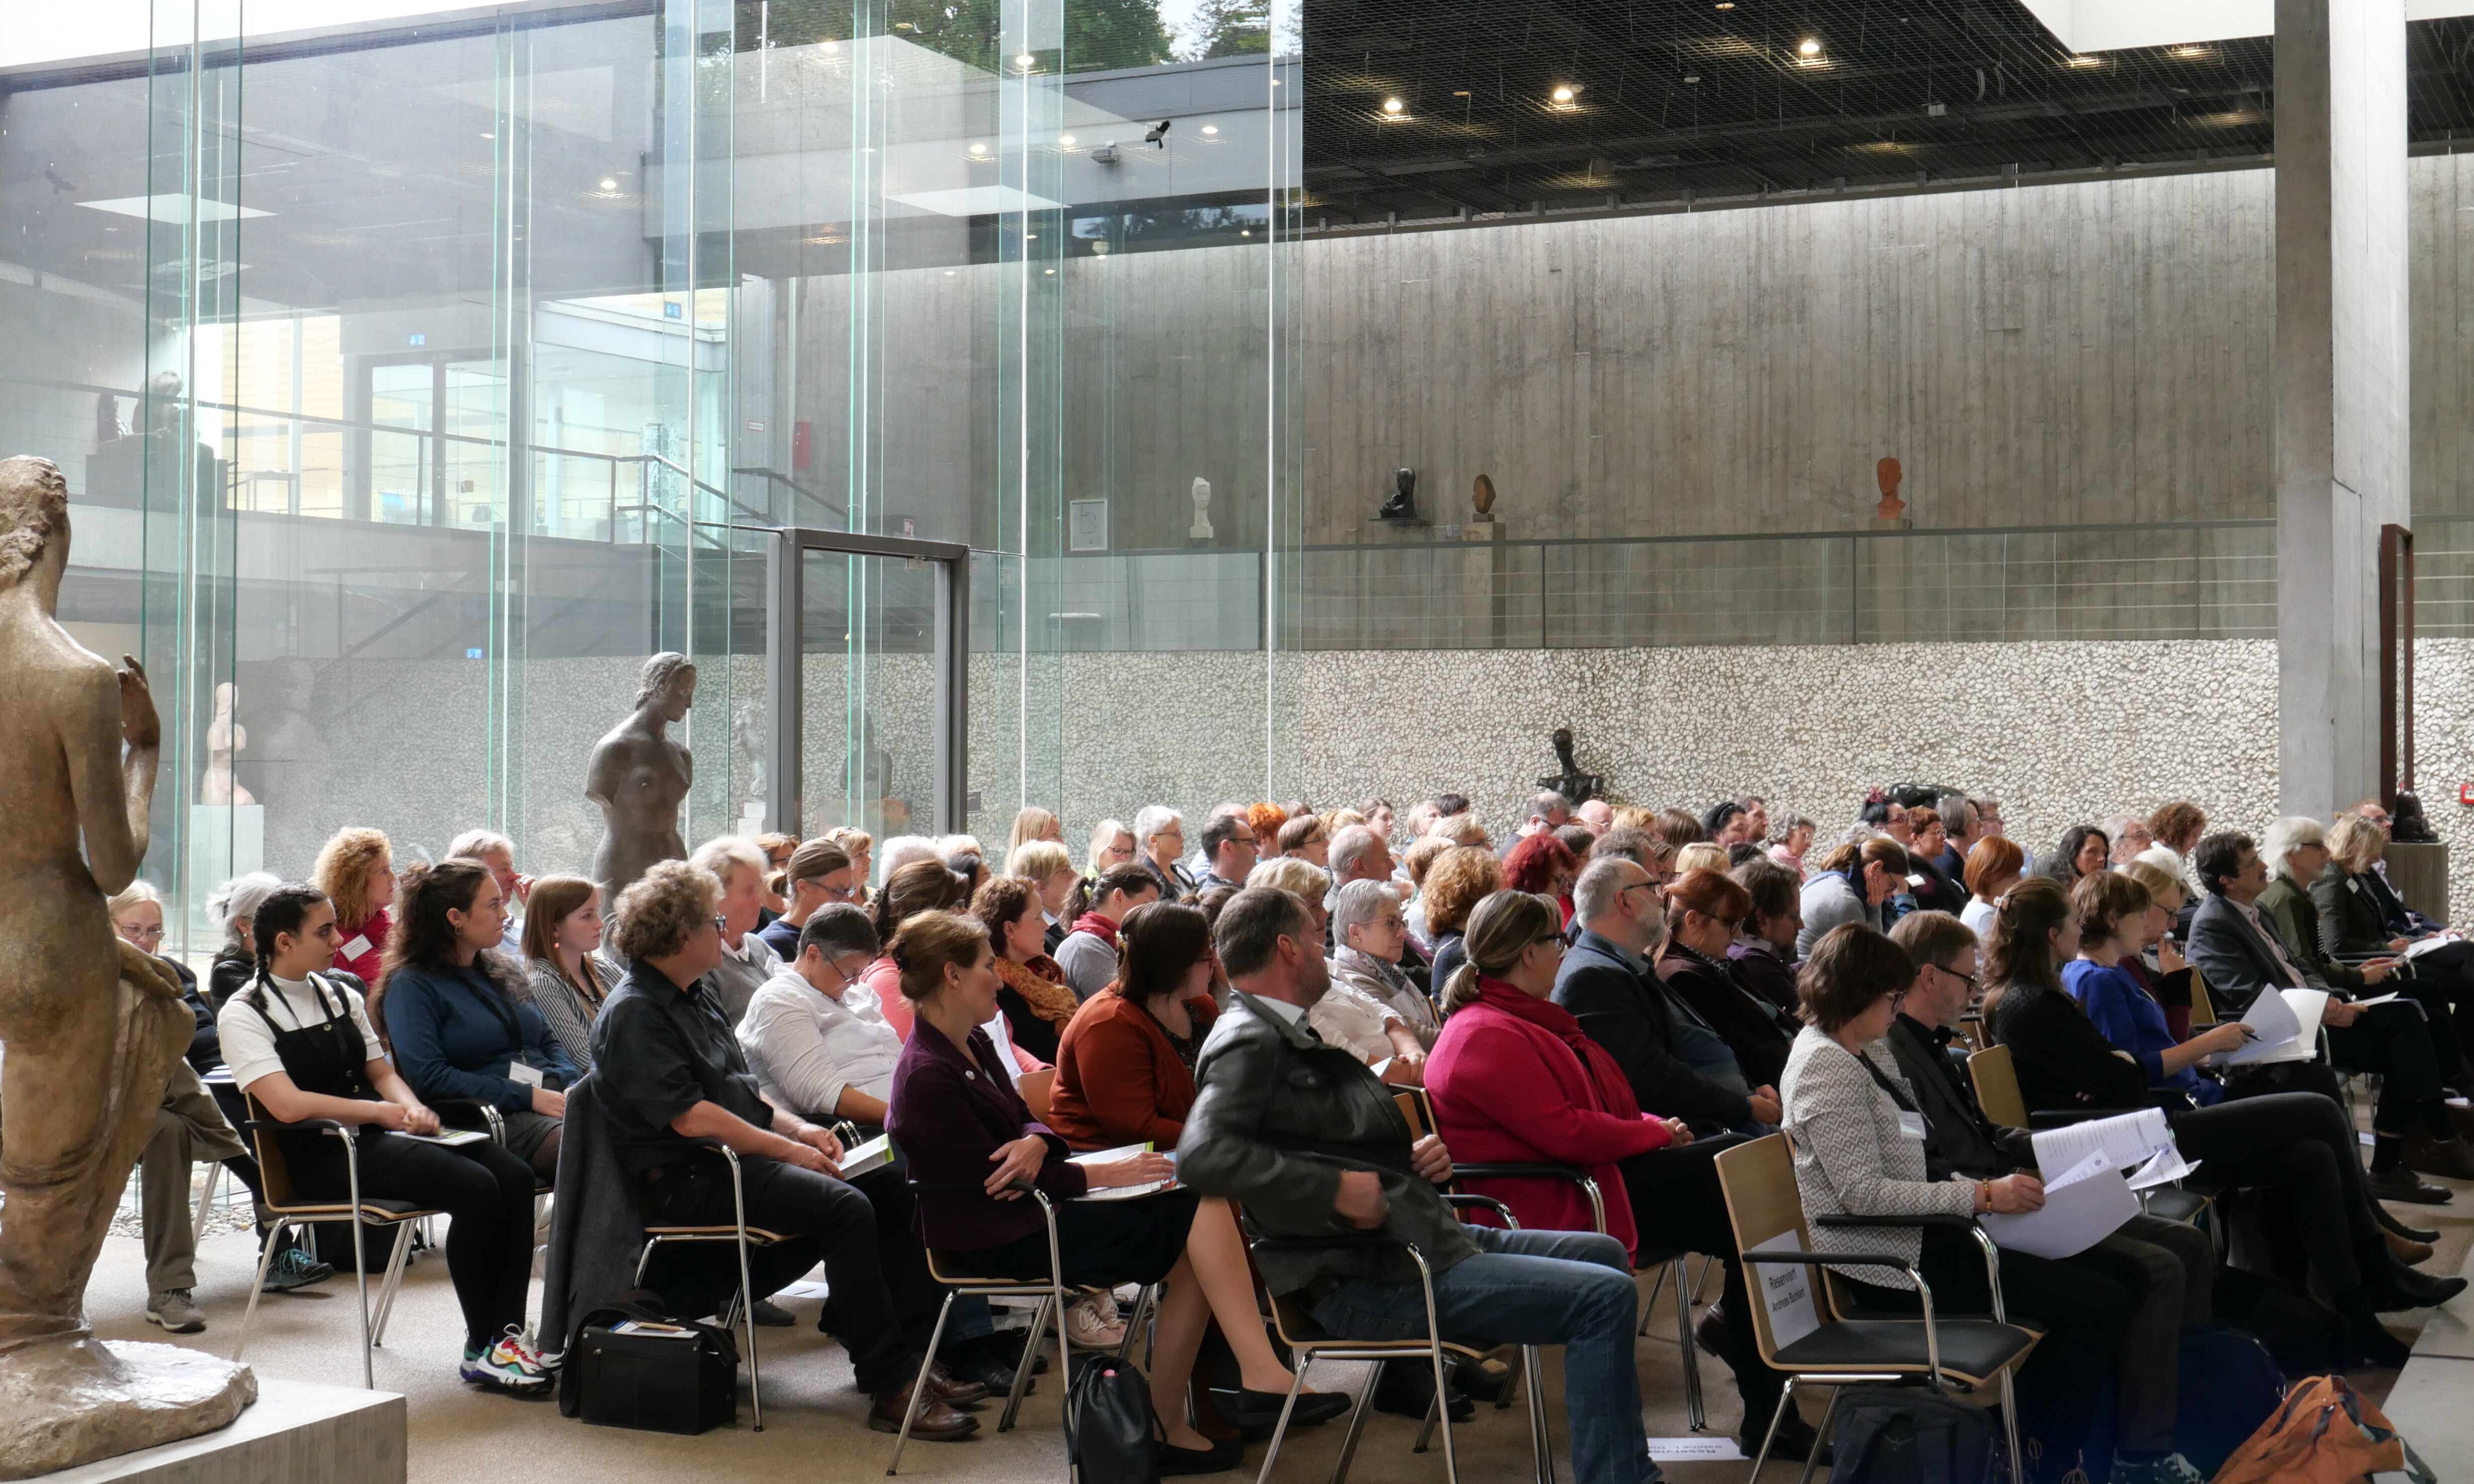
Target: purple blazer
(950,1110)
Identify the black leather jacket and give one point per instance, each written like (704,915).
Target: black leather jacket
(1277,1116)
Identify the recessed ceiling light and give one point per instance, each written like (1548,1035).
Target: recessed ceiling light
(609,183)
(1026,60)
(2189,51)
(1066,139)
(833,48)
(1691,78)
(1211,129)
(489,136)
(2087,61)
(1810,47)
(1461,93)
(978,148)
(1562,94)
(1392,104)
(1726,5)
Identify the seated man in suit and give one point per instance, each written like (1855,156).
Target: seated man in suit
(2172,1263)
(1676,1062)
(2238,953)
(1309,1144)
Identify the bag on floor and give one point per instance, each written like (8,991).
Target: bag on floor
(1910,1435)
(1109,1431)
(634,1366)
(2230,1385)
(2326,1433)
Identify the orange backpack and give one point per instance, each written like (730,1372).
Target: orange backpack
(2324,1434)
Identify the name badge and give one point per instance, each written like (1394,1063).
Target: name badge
(1911,1126)
(359,945)
(531,1076)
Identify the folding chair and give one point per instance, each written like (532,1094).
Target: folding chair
(1764,1207)
(289,1209)
(742,1238)
(1038,1089)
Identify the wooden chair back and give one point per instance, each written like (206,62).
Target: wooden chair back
(274,1170)
(1412,1105)
(2203,1010)
(1038,1090)
(1766,1209)
(1996,1087)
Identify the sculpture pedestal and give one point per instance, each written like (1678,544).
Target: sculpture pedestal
(89,1399)
(2419,872)
(298,1433)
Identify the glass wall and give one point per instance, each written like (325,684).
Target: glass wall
(415,383)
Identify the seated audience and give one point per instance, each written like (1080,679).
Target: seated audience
(1515,1080)
(1050,870)
(1125,1068)
(1725,823)
(1542,866)
(1597,815)
(1359,854)
(461,1030)
(818,872)
(1846,1100)
(1964,828)
(961,1124)
(2084,849)
(562,945)
(1672,1058)
(1765,941)
(670,1074)
(1995,864)
(2361,918)
(1576,838)
(1794,839)
(1458,879)
(778,849)
(906,850)
(1676,827)
(1033,994)
(1304,839)
(2238,953)
(1703,856)
(1158,839)
(1374,1009)
(1704,909)
(1308,884)
(814,1037)
(2299,1146)
(2403,920)
(1853,884)
(1230,849)
(1415,862)
(2131,836)
(961,855)
(747,960)
(188,1127)
(235,960)
(860,846)
(1088,954)
(355,869)
(919,887)
(2168,1267)
(1305,1140)
(2177,828)
(2156,964)
(1462,829)
(1032,822)
(302,1047)
(1938,893)
(497,852)
(2109,913)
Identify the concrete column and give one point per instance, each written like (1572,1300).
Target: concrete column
(2343,462)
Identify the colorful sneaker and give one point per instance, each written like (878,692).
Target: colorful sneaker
(294,1268)
(507,1366)
(176,1311)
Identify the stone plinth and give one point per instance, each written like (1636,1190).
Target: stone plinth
(298,1433)
(62,1405)
(2420,875)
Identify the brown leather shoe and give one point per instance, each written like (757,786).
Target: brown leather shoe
(2403,1184)
(2446,1158)
(954,1391)
(2405,1249)
(936,1423)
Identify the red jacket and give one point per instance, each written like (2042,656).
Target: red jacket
(1514,1081)
(1118,1079)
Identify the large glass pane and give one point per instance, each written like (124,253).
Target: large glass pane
(869,664)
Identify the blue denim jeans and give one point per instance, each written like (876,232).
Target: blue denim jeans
(1568,1288)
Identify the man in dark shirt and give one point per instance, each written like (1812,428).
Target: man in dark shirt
(670,1073)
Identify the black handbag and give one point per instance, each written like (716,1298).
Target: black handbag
(1110,1436)
(634,1366)
(1909,1435)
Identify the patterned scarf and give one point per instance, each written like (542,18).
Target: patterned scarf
(1050,999)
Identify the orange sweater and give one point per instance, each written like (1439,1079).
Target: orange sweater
(1118,1079)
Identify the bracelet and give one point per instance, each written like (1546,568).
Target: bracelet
(1983,1195)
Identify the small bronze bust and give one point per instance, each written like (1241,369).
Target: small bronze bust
(1577,787)
(1482,498)
(1403,504)
(2405,822)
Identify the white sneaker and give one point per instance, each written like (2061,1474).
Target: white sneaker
(1092,1323)
(508,1365)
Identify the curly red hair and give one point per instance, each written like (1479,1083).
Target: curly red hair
(1533,863)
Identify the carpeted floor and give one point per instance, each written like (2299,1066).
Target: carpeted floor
(816,1427)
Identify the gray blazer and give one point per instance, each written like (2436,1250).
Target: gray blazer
(1851,1159)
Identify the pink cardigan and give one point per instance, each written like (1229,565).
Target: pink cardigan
(1509,1085)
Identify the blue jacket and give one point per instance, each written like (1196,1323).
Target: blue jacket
(455,1032)
(2133,1022)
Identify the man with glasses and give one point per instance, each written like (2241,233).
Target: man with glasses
(1230,845)
(816,1039)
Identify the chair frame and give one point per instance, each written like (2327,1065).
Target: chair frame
(298,1215)
(741,1237)
(1887,1373)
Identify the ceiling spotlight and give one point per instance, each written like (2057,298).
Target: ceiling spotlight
(978,148)
(609,183)
(1726,5)
(1562,94)
(2189,51)
(1026,61)
(1691,78)
(2084,61)
(1211,129)
(833,48)
(1461,93)
(1393,106)
(1066,140)
(1810,47)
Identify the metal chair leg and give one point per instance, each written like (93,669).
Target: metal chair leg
(1657,1286)
(1540,1441)
(1356,1417)
(265,1261)
(919,1385)
(746,1293)
(1022,1367)
(360,1260)
(1769,1434)
(206,1203)
(1828,1413)
(2010,1430)
(393,1280)
(1426,1427)
(1695,1411)
(1442,1407)
(1281,1429)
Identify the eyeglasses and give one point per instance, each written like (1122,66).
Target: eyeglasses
(143,934)
(721,922)
(840,893)
(1555,938)
(1968,980)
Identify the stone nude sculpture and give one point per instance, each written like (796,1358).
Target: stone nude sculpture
(639,777)
(93,1026)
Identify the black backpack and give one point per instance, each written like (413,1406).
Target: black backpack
(1111,1438)
(1910,1435)
(656,1380)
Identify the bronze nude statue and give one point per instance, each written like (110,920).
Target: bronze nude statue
(93,1026)
(639,777)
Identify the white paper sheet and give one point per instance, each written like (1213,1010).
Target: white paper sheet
(1787,1289)
(2166,1166)
(872,1155)
(2382,1000)
(2125,1139)
(2288,1024)
(2074,1217)
(1122,1192)
(2420,946)
(1720,1448)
